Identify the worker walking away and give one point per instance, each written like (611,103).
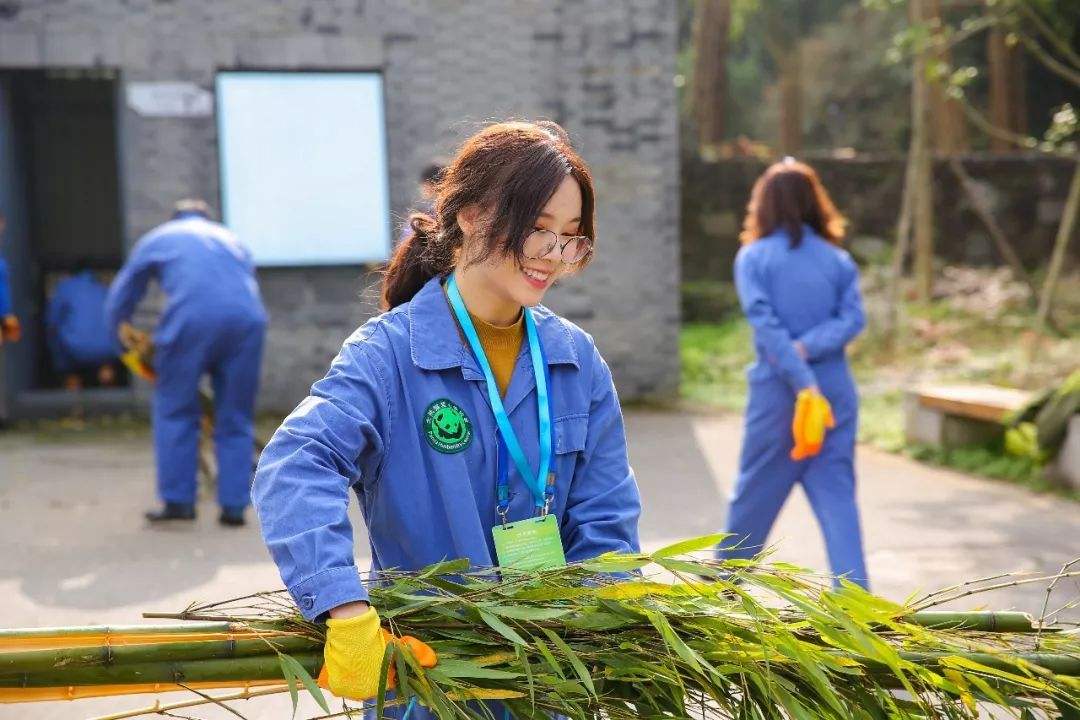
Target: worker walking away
(78,338)
(213,324)
(800,293)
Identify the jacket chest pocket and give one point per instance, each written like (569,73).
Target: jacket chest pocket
(569,435)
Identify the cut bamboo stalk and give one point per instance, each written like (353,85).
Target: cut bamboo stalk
(91,636)
(990,622)
(30,661)
(82,692)
(262,667)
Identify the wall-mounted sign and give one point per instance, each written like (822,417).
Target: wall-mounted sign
(169,99)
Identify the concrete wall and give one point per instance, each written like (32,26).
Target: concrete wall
(603,69)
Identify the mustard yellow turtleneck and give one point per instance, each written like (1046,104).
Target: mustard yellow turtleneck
(502,346)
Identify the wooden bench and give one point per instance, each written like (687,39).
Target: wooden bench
(954,415)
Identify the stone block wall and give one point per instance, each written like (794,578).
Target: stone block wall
(602,69)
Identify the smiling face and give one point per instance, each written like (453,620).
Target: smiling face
(515,285)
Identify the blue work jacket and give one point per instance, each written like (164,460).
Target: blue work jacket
(363,427)
(75,321)
(5,290)
(809,293)
(207,274)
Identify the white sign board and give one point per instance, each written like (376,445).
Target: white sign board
(169,99)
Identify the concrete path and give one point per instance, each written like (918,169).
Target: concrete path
(75,550)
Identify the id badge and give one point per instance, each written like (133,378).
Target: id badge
(532,544)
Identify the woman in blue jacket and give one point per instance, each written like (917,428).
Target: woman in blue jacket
(800,293)
(448,447)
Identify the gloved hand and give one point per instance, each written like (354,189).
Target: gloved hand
(137,365)
(354,652)
(10,329)
(813,415)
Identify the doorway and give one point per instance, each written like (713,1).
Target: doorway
(60,191)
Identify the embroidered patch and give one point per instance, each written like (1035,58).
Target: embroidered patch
(447,427)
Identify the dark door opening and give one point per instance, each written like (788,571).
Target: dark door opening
(59,187)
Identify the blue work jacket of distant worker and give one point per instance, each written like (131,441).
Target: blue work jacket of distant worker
(78,335)
(5,289)
(366,426)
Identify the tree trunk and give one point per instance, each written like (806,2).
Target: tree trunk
(712,25)
(1061,242)
(949,124)
(790,102)
(997,60)
(900,251)
(922,205)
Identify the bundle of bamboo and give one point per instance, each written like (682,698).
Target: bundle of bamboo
(607,638)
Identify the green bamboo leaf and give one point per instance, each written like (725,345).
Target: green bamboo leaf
(446,567)
(502,628)
(612,562)
(290,680)
(454,668)
(524,612)
(575,661)
(300,672)
(553,593)
(549,657)
(684,547)
(689,567)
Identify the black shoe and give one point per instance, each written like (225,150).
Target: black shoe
(232,517)
(172,511)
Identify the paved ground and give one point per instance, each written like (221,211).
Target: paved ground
(77,552)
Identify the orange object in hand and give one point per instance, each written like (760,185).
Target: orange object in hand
(354,652)
(10,329)
(813,415)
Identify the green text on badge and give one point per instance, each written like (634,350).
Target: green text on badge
(532,544)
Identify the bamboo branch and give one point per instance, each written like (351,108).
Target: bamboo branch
(1043,27)
(1057,260)
(157,708)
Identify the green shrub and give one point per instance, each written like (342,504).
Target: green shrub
(708,301)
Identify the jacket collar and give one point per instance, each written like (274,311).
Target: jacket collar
(435,342)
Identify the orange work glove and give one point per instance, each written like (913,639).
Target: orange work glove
(353,655)
(813,415)
(11,329)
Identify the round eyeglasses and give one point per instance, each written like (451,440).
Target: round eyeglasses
(572,248)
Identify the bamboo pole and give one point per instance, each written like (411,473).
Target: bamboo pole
(1003,622)
(261,667)
(29,661)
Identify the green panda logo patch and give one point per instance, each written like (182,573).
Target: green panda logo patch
(447,427)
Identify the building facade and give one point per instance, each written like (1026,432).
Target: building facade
(106,168)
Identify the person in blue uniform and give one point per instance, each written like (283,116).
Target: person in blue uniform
(213,324)
(449,448)
(800,293)
(78,337)
(10,330)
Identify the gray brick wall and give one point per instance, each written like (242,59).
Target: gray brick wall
(602,68)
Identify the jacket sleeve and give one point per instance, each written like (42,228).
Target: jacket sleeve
(831,336)
(603,504)
(5,290)
(331,441)
(770,335)
(130,283)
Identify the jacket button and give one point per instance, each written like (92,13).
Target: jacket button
(308,601)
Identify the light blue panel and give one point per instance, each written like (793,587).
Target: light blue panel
(303,166)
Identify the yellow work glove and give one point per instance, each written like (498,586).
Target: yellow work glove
(10,329)
(813,415)
(354,652)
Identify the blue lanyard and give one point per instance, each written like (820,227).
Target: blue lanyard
(538,483)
